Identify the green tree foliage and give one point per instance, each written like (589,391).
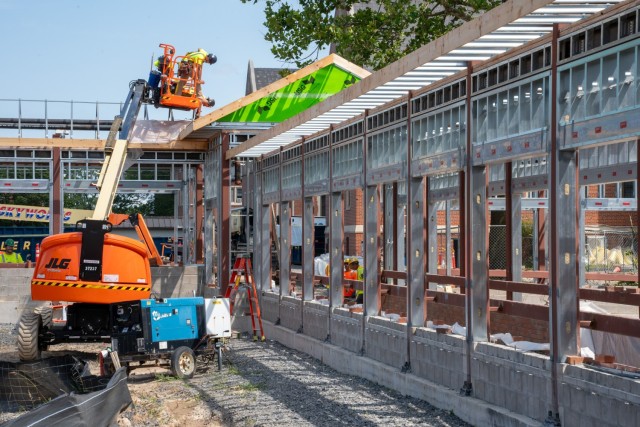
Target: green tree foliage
(373,35)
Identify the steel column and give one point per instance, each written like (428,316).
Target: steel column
(224,226)
(388,227)
(415,254)
(400,225)
(209,214)
(478,291)
(563,277)
(372,251)
(447,239)
(432,238)
(308,231)
(199,211)
(336,258)
(285,248)
(516,241)
(56,200)
(264,222)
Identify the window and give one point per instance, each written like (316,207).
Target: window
(628,189)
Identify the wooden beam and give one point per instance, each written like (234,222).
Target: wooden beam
(486,23)
(265,91)
(98,144)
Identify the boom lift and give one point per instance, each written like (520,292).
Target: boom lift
(92,267)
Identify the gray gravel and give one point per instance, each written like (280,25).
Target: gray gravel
(265,384)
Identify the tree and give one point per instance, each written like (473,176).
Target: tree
(369,34)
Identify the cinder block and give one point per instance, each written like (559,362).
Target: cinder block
(627,414)
(500,398)
(577,398)
(480,390)
(592,403)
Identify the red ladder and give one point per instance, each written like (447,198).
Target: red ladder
(242,269)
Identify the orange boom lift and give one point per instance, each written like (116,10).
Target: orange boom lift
(91,268)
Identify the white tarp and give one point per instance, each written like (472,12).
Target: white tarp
(157,131)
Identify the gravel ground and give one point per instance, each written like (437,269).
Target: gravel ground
(261,384)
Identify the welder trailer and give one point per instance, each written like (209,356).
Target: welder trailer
(177,331)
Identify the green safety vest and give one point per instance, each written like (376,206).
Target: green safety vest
(14,258)
(196,57)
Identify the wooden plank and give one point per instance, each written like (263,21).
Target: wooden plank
(486,23)
(265,91)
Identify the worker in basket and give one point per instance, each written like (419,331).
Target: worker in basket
(193,61)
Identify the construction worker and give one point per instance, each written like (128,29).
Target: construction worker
(186,70)
(350,274)
(351,271)
(9,256)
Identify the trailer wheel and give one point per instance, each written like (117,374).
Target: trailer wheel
(183,362)
(28,329)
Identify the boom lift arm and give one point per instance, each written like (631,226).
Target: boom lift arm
(116,150)
(103,219)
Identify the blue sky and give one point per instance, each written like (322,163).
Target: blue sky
(89,50)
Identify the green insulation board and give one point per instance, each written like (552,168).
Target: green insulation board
(295,97)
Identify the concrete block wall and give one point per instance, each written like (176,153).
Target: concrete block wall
(520,382)
(385,341)
(269,306)
(316,320)
(589,397)
(291,313)
(15,293)
(346,329)
(185,281)
(438,357)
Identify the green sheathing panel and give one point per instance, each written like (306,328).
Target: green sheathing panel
(295,97)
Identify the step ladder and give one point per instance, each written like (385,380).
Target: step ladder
(241,275)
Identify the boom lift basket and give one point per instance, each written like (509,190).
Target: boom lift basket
(179,81)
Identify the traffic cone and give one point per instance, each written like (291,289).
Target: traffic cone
(37,251)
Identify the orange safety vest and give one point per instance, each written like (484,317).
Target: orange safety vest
(351,275)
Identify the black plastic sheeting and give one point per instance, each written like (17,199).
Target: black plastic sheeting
(25,385)
(72,396)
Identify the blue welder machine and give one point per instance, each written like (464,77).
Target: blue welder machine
(175,330)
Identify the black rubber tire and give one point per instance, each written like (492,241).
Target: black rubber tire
(183,362)
(28,329)
(46,313)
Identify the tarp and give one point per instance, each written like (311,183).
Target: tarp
(99,408)
(157,131)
